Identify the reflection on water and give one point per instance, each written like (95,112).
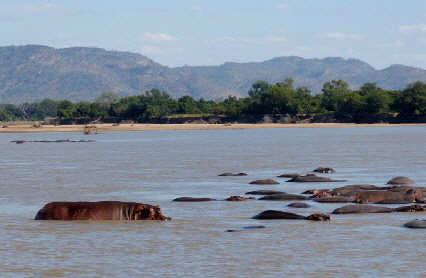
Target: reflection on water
(155,167)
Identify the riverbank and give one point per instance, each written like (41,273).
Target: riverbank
(99,128)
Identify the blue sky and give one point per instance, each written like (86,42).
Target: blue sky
(177,33)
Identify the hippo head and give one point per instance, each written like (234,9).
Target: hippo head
(319,217)
(148,212)
(321,194)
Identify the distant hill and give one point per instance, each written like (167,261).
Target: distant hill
(312,73)
(35,72)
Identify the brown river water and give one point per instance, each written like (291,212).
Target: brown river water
(155,167)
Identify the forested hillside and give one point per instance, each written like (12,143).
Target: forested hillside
(33,73)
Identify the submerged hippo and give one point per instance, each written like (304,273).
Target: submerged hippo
(362,209)
(400,180)
(232,174)
(267,181)
(239,198)
(290,175)
(416,224)
(299,205)
(104,210)
(312,178)
(193,199)
(333,199)
(276,214)
(265,192)
(324,170)
(284,197)
(247,228)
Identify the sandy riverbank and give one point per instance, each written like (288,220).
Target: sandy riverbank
(132,127)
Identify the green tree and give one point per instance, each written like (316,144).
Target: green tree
(5,115)
(258,88)
(332,94)
(412,99)
(105,100)
(377,100)
(279,100)
(188,105)
(65,109)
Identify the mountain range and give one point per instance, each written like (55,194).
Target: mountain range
(36,72)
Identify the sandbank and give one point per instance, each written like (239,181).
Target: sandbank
(138,127)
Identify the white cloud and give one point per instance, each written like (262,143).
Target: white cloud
(233,39)
(336,35)
(47,9)
(148,49)
(396,43)
(158,37)
(410,29)
(413,56)
(275,38)
(282,7)
(195,9)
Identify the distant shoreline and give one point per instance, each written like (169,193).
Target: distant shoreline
(141,127)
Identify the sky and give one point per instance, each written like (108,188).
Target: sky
(196,33)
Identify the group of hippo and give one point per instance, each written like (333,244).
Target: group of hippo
(399,190)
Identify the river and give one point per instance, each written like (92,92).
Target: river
(155,167)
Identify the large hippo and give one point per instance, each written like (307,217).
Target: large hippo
(377,209)
(374,196)
(276,214)
(104,210)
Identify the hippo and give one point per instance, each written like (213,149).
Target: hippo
(290,175)
(334,199)
(247,228)
(393,201)
(284,197)
(312,178)
(377,209)
(267,181)
(265,192)
(373,196)
(400,180)
(232,174)
(410,208)
(344,190)
(362,209)
(416,224)
(324,170)
(239,198)
(193,199)
(365,187)
(316,191)
(276,214)
(104,210)
(299,205)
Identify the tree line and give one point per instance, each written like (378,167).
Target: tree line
(263,99)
